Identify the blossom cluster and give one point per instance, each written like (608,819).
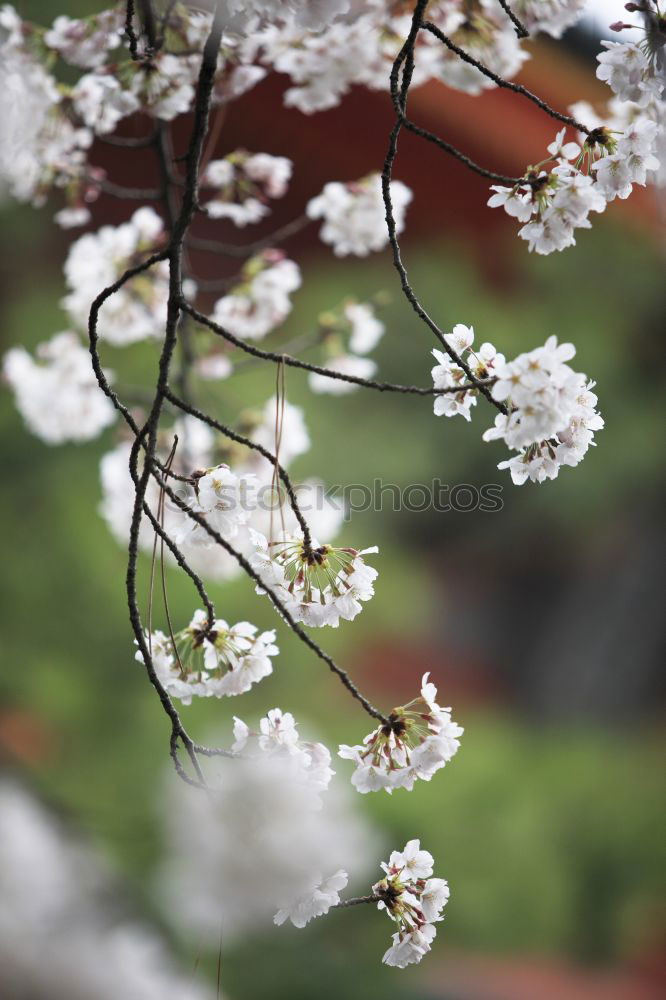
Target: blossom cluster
(551,412)
(547,410)
(211,659)
(316,584)
(416,740)
(260,302)
(414,900)
(354,214)
(448,374)
(606,162)
(57,395)
(278,734)
(243,183)
(50,125)
(66,932)
(273,840)
(224,500)
(137,311)
(346,336)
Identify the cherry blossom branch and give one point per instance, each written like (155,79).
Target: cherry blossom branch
(148,20)
(355,901)
(284,612)
(132,39)
(399,99)
(399,95)
(517,88)
(277,358)
(93,334)
(521,30)
(146,436)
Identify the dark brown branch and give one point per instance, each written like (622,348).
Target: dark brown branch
(521,30)
(133,41)
(276,358)
(517,88)
(356,901)
(399,92)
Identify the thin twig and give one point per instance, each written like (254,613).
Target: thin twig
(521,30)
(399,94)
(276,358)
(248,249)
(356,901)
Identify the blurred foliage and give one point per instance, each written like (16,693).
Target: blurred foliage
(548,834)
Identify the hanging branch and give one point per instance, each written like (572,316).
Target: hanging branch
(145,437)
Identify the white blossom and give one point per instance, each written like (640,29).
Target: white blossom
(294,437)
(631,162)
(416,741)
(489,38)
(318,586)
(366,330)
(413,900)
(101,101)
(243,183)
(62,934)
(259,841)
(551,415)
(516,202)
(58,395)
(195,451)
(550,16)
(211,659)
(315,902)
(354,214)
(312,15)
(447,374)
(213,367)
(409,947)
(137,310)
(261,302)
(72,216)
(86,42)
(224,499)
(164,87)
(626,69)
(39,146)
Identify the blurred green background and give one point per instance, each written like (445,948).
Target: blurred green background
(541,622)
